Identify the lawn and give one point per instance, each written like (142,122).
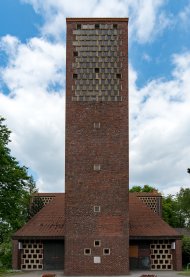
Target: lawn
(185,273)
(4,272)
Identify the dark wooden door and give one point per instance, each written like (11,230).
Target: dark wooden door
(53,255)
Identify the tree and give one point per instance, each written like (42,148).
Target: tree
(185,250)
(171,213)
(16,187)
(183,200)
(146,188)
(174,207)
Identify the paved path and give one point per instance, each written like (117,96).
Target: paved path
(132,273)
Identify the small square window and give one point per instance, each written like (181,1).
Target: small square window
(75,54)
(97,209)
(75,76)
(78,26)
(106,251)
(97,243)
(97,167)
(87,251)
(96,125)
(114,26)
(97,260)
(97,70)
(97,26)
(118,75)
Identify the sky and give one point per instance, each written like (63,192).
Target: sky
(32,86)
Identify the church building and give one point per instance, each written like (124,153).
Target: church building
(96,227)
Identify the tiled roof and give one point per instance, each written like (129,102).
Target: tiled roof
(145,223)
(48,194)
(49,221)
(183,231)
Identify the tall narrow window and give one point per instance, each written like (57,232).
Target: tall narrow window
(97,70)
(97,26)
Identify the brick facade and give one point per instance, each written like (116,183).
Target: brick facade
(15,255)
(92,218)
(97,148)
(177,255)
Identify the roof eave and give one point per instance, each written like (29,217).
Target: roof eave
(155,237)
(37,237)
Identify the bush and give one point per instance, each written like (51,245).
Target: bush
(186,250)
(5,255)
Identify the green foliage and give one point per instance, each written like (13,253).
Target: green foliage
(5,254)
(146,188)
(176,209)
(185,249)
(16,187)
(183,198)
(171,212)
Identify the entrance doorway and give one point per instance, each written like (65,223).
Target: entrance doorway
(53,255)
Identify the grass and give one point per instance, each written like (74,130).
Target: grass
(185,273)
(8,272)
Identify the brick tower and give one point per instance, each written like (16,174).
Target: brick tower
(97,160)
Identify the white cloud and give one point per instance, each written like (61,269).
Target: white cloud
(145,15)
(35,115)
(184,17)
(159,112)
(24,68)
(146,57)
(160,129)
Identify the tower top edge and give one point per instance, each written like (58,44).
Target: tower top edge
(97,19)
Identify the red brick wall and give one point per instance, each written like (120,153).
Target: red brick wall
(177,255)
(86,188)
(15,255)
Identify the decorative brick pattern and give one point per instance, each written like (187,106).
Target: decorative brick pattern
(161,255)
(97,62)
(151,202)
(45,199)
(32,255)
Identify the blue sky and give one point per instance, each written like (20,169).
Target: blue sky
(19,19)
(32,85)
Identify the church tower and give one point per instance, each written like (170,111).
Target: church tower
(97,159)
